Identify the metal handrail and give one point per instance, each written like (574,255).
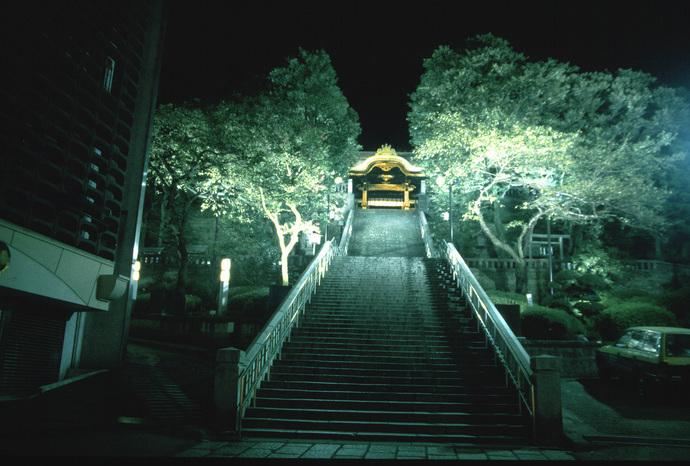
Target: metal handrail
(506,345)
(347,232)
(426,235)
(256,364)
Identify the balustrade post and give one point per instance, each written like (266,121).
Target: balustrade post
(228,390)
(548,413)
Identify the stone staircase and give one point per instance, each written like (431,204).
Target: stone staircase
(386,351)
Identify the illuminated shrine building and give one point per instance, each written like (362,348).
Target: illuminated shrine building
(387,180)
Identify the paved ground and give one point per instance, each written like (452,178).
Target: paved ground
(284,449)
(386,233)
(109,418)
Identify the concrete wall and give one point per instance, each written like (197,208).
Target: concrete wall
(577,357)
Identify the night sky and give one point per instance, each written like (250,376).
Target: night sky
(377,47)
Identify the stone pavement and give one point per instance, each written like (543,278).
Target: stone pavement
(334,449)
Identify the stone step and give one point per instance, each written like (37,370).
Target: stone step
(376,371)
(415,403)
(481,393)
(376,413)
(387,349)
(363,353)
(365,379)
(329,435)
(384,360)
(473,341)
(356,428)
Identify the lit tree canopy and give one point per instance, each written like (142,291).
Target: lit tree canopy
(582,147)
(292,142)
(185,166)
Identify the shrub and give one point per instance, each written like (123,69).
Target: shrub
(556,301)
(543,323)
(676,302)
(207,291)
(621,315)
(627,294)
(192,303)
(504,297)
(588,308)
(256,301)
(248,299)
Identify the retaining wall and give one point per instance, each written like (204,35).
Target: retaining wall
(577,357)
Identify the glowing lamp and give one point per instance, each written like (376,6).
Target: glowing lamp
(135,271)
(225,270)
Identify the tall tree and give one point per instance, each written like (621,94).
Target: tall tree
(293,140)
(581,147)
(185,169)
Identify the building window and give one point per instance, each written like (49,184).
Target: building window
(109,74)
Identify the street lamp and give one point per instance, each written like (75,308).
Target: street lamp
(440,182)
(224,286)
(136,269)
(330,215)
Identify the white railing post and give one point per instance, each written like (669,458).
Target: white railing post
(548,412)
(541,395)
(228,386)
(239,374)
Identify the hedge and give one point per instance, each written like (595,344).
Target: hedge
(618,317)
(543,323)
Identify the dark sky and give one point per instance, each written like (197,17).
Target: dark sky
(377,47)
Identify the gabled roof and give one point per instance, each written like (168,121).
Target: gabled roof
(386,158)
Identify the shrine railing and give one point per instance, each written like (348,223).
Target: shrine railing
(506,345)
(426,235)
(239,374)
(347,232)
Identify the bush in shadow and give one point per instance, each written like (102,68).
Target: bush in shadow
(543,323)
(623,314)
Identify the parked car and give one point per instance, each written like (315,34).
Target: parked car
(648,356)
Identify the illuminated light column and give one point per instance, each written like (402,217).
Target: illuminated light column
(331,213)
(136,269)
(224,286)
(447,215)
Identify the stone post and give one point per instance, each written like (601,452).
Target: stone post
(548,412)
(227,386)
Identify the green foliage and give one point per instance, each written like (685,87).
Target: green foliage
(206,291)
(248,299)
(618,317)
(604,263)
(505,297)
(676,301)
(293,141)
(582,147)
(272,156)
(543,323)
(192,304)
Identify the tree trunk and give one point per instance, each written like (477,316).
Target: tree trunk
(161,225)
(284,257)
(183,270)
(521,277)
(500,229)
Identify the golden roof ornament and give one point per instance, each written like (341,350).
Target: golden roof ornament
(386,149)
(386,158)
